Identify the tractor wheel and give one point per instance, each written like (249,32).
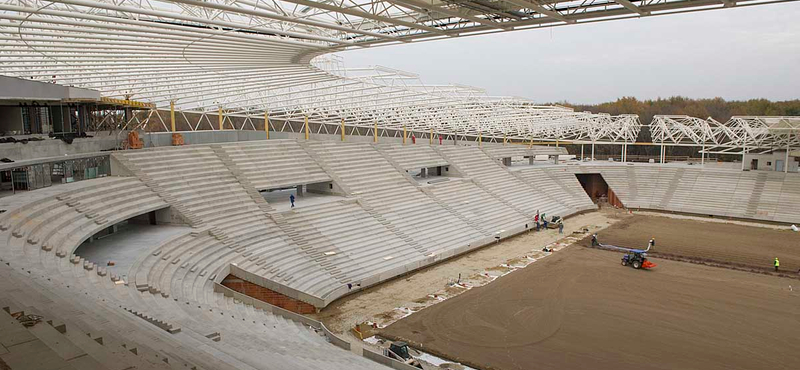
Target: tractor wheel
(637,264)
(624,263)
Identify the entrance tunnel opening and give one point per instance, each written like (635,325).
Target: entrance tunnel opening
(597,188)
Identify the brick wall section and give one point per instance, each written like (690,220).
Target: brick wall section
(270,296)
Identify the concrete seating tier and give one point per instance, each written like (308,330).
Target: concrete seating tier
(60,223)
(273,164)
(493,177)
(480,207)
(760,195)
(351,239)
(413,156)
(235,214)
(395,199)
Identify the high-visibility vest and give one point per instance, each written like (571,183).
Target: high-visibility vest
(777,263)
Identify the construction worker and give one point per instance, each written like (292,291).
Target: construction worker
(291,199)
(594,240)
(536,220)
(651,243)
(561,227)
(777,264)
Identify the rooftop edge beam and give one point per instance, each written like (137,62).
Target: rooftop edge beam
(629,5)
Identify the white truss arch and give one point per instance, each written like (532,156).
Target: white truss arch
(251,57)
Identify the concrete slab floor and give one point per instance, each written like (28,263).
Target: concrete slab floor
(279,199)
(126,245)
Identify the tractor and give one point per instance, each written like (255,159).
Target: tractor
(637,258)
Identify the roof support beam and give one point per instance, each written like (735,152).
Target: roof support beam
(629,5)
(417,4)
(532,4)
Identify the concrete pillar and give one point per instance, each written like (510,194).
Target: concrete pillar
(625,152)
(266,123)
(172,114)
(703,156)
(744,148)
(306,126)
(221,118)
(555,159)
(423,173)
(786,161)
(342,129)
(299,191)
(531,159)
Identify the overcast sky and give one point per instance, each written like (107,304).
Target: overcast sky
(740,53)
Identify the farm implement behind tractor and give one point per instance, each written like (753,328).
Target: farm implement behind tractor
(636,258)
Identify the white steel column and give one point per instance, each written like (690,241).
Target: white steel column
(592,151)
(703,156)
(744,148)
(581,152)
(786,162)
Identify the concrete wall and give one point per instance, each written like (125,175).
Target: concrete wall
(57,148)
(768,162)
(12,88)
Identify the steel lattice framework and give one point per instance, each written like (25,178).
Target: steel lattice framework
(249,57)
(739,134)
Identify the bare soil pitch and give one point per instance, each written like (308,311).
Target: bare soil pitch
(580,309)
(706,241)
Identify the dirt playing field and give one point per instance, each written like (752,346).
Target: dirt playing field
(745,246)
(389,301)
(582,310)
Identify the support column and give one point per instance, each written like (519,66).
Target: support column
(592,151)
(531,159)
(581,152)
(375,133)
(786,162)
(404,135)
(703,155)
(221,118)
(480,139)
(504,139)
(299,191)
(172,114)
(306,126)
(266,123)
(342,129)
(430,137)
(624,150)
(661,159)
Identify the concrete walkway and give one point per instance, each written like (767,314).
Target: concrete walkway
(124,246)
(279,199)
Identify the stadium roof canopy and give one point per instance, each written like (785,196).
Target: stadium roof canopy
(740,133)
(252,56)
